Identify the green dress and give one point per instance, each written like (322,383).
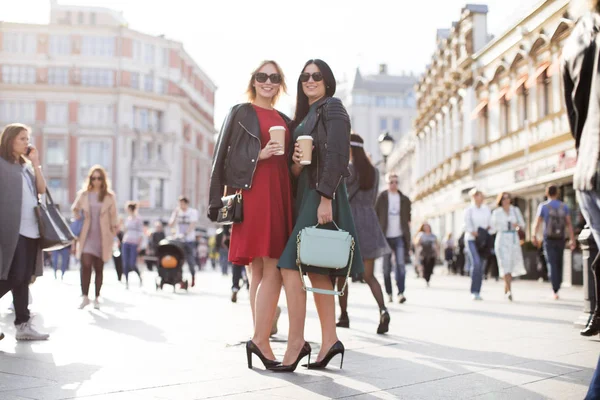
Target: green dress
(305,210)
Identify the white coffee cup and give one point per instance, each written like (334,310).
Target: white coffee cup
(306,145)
(278,135)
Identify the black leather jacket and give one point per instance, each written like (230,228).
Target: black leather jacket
(582,97)
(330,129)
(236,154)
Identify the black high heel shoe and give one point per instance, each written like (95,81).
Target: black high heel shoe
(292,367)
(252,348)
(337,348)
(384,322)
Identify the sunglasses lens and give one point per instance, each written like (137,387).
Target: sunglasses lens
(304,77)
(317,76)
(275,78)
(261,77)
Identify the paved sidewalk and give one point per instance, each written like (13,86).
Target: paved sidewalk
(148,345)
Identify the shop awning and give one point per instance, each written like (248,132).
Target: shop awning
(478,109)
(539,71)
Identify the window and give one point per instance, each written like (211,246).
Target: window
(135,80)
(380,101)
(383,124)
(13,42)
(93,18)
(97,77)
(504,116)
(58,76)
(161,86)
(60,45)
(149,54)
(397,125)
(93,152)
(484,124)
(96,115)
(22,111)
(159,152)
(98,46)
(146,152)
(18,74)
(133,150)
(137,50)
(56,153)
(57,114)
(80,18)
(149,83)
(143,194)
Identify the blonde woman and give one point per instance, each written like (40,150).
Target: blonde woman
(247,158)
(96,203)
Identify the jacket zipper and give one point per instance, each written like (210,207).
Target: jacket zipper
(258,155)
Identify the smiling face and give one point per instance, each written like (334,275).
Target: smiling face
(21,143)
(267,90)
(312,89)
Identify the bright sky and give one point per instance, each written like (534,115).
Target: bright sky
(228,38)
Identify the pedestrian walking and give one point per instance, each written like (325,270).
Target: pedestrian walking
(321,198)
(132,238)
(394,212)
(507,220)
(428,248)
(251,158)
(555,217)
(478,240)
(21,260)
(97,203)
(223,246)
(581,90)
(362,186)
(185,219)
(157,235)
(449,254)
(61,258)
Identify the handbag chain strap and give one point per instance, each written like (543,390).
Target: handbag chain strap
(299,265)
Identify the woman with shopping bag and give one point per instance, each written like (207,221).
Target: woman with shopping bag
(321,199)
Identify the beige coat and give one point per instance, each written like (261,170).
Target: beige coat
(108,222)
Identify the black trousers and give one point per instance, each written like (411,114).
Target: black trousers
(428,264)
(237,271)
(21,270)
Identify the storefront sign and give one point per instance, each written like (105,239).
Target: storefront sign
(559,162)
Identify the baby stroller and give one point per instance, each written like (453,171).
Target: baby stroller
(170,257)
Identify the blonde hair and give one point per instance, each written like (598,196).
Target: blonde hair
(251,90)
(474,192)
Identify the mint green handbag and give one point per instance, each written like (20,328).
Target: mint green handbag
(324,248)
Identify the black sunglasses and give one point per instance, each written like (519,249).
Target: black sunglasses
(305,76)
(96,178)
(261,77)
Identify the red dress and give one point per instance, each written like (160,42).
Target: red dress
(268,217)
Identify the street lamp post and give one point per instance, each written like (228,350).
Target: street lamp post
(386,146)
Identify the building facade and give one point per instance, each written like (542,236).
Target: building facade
(491,116)
(380,103)
(96,92)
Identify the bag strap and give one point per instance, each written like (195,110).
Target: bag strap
(317,290)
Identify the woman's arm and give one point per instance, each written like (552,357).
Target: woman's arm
(417,239)
(40,181)
(76,207)
(114,218)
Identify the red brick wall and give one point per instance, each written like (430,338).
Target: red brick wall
(174,59)
(73,112)
(40,111)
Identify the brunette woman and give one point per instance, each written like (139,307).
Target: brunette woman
(363,185)
(248,161)
(98,205)
(428,247)
(21,260)
(321,198)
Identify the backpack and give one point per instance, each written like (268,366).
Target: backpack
(556,223)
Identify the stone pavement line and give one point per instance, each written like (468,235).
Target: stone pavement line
(151,345)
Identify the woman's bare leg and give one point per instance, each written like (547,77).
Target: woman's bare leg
(255,274)
(326,310)
(265,304)
(296,305)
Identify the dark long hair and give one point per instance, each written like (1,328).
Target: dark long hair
(362,165)
(104,189)
(302,105)
(7,140)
